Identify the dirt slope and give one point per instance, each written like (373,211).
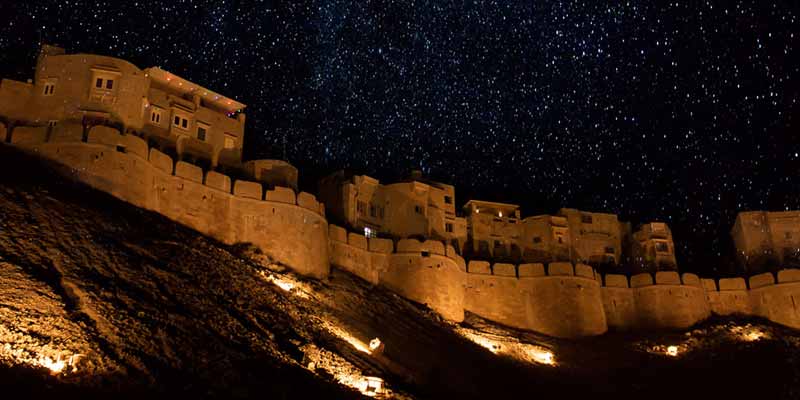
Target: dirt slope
(122,301)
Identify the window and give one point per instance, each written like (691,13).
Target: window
(99,83)
(380,210)
(202,130)
(109,84)
(560,240)
(52,123)
(448,227)
(49,88)
(155,116)
(373,211)
(662,247)
(498,243)
(360,207)
(586,218)
(609,250)
(230,142)
(418,209)
(448,200)
(537,240)
(180,122)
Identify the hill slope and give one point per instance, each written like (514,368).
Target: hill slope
(122,301)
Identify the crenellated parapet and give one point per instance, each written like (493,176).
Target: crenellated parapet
(291,228)
(559,299)
(664,300)
(428,272)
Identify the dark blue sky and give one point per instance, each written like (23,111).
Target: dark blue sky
(683,113)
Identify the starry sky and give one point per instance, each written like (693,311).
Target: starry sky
(681,112)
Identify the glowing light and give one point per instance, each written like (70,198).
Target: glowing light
(374,344)
(500,214)
(542,356)
(511,347)
(749,333)
(370,386)
(287,286)
(672,351)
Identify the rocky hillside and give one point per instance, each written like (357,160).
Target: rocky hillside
(98,298)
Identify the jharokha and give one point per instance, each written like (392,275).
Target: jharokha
(163,143)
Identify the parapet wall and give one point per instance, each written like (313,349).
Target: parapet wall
(559,299)
(294,233)
(665,300)
(428,272)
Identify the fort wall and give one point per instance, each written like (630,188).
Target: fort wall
(558,299)
(291,234)
(555,300)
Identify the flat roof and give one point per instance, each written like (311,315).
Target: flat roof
(184,86)
(491,204)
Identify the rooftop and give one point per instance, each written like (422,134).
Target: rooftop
(185,87)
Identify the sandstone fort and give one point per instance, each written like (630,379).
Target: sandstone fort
(163,143)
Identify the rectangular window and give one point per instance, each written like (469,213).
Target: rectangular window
(49,88)
(662,247)
(230,142)
(609,250)
(201,133)
(373,211)
(537,240)
(52,123)
(448,228)
(418,209)
(184,123)
(448,200)
(177,121)
(380,209)
(99,83)
(181,122)
(110,84)
(586,219)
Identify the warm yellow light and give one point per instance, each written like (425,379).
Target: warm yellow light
(542,356)
(374,344)
(500,214)
(511,347)
(672,351)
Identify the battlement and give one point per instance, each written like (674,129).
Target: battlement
(231,210)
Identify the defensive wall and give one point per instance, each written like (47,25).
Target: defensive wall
(559,299)
(428,272)
(290,228)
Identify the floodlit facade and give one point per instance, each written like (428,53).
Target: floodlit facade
(767,240)
(546,238)
(415,207)
(596,238)
(652,248)
(171,113)
(493,230)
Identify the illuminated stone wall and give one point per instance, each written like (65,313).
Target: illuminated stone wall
(290,233)
(558,299)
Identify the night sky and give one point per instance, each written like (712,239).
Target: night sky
(681,113)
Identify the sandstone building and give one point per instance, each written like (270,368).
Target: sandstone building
(95,116)
(652,248)
(415,207)
(767,240)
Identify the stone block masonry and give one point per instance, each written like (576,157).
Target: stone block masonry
(559,299)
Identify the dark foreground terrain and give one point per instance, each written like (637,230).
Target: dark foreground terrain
(100,299)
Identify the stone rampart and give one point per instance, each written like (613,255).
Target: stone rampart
(418,271)
(290,234)
(553,300)
(559,299)
(665,300)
